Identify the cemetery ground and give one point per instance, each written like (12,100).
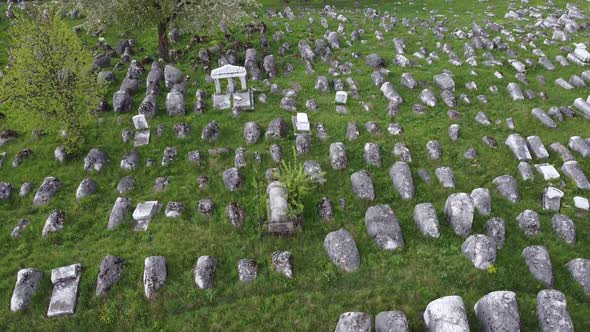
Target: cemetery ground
(407,279)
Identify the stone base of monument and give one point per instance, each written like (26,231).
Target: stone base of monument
(241,99)
(244,100)
(221,102)
(288,227)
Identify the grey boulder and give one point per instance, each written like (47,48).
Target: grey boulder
(204,272)
(459,210)
(402,180)
(342,250)
(446,314)
(539,264)
(383,226)
(426,220)
(552,314)
(154,275)
(27,282)
(498,311)
(354,322)
(579,268)
(111,271)
(362,185)
(481,250)
(391,321)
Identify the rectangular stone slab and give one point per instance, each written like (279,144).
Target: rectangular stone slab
(221,102)
(140,122)
(142,138)
(65,290)
(145,210)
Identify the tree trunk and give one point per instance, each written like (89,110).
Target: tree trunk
(163,40)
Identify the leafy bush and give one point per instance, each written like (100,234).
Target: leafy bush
(298,185)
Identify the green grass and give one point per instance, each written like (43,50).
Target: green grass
(406,280)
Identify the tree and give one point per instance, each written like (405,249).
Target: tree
(189,15)
(49,83)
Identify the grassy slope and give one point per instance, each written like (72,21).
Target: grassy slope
(407,280)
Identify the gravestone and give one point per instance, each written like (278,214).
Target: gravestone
(64,296)
(243,99)
(277,211)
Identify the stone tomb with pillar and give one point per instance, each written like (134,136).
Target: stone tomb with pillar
(243,99)
(278,221)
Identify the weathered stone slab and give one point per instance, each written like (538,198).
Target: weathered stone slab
(110,272)
(119,212)
(64,296)
(247,270)
(507,187)
(338,156)
(426,220)
(402,180)
(573,170)
(383,226)
(27,282)
(552,314)
(282,262)
(518,146)
(362,185)
(552,198)
(47,190)
(580,271)
(154,275)
(391,321)
(482,200)
(548,171)
(564,227)
(204,272)
(446,314)
(342,250)
(536,146)
(459,211)
(54,223)
(354,322)
(481,250)
(539,264)
(498,311)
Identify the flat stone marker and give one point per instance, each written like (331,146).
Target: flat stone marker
(581,203)
(301,123)
(548,171)
(27,282)
(65,290)
(140,122)
(341,97)
(141,138)
(143,214)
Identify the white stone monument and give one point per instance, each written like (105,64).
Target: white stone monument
(301,123)
(143,214)
(243,99)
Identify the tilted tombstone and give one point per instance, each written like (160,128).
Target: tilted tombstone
(64,296)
